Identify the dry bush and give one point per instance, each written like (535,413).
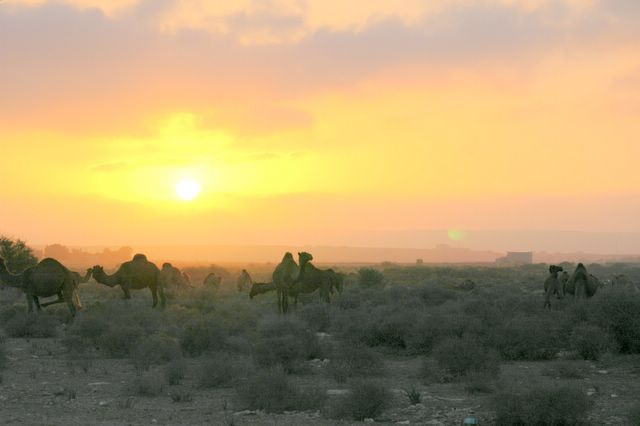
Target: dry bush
(542,405)
(272,391)
(34,325)
(153,350)
(460,357)
(348,360)
(366,399)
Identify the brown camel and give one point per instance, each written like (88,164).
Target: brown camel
(311,279)
(283,277)
(212,281)
(244,281)
(260,288)
(48,278)
(78,279)
(552,286)
(172,277)
(135,274)
(581,284)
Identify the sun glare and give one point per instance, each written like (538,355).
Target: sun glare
(188,189)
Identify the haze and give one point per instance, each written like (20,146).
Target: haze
(315,122)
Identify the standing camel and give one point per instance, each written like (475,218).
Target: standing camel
(582,284)
(283,278)
(48,278)
(135,274)
(244,281)
(552,286)
(311,279)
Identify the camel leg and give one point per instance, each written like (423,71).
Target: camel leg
(279,297)
(76,299)
(163,297)
(60,300)
(30,300)
(285,301)
(154,295)
(125,289)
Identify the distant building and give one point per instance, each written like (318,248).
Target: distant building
(516,258)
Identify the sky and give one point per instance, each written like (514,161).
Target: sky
(317,121)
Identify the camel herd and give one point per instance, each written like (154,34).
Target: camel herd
(580,284)
(51,278)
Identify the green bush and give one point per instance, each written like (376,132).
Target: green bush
(542,405)
(175,371)
(365,400)
(618,312)
(285,342)
(634,414)
(317,316)
(348,360)
(272,391)
(369,277)
(153,350)
(149,384)
(118,342)
(201,335)
(462,356)
(591,341)
(38,325)
(430,329)
(528,338)
(221,370)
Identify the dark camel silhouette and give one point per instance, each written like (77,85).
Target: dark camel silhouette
(311,279)
(582,284)
(552,286)
(244,281)
(135,274)
(283,276)
(48,278)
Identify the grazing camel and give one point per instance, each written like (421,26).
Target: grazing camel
(213,281)
(78,279)
(48,278)
(283,277)
(135,274)
(244,281)
(552,286)
(172,277)
(311,279)
(581,284)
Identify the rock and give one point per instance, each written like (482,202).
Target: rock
(603,372)
(404,422)
(434,422)
(335,392)
(245,413)
(613,395)
(103,403)
(591,391)
(321,335)
(99,383)
(369,420)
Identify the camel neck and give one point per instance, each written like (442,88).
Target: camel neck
(9,278)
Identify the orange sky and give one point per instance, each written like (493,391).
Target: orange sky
(306,121)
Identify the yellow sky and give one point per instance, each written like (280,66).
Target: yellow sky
(303,119)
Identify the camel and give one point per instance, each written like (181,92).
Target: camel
(244,281)
(48,278)
(552,286)
(213,281)
(78,279)
(581,284)
(283,277)
(135,274)
(172,277)
(311,279)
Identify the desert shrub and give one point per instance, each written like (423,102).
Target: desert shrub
(633,416)
(479,383)
(434,296)
(17,255)
(285,342)
(221,369)
(272,391)
(117,342)
(461,356)
(317,316)
(39,325)
(9,311)
(618,312)
(365,400)
(181,395)
(349,360)
(201,335)
(369,277)
(149,384)
(527,338)
(430,329)
(88,325)
(542,405)
(154,349)
(590,341)
(414,396)
(175,371)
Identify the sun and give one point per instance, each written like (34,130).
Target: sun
(188,189)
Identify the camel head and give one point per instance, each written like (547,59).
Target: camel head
(287,256)
(166,265)
(97,269)
(553,269)
(304,257)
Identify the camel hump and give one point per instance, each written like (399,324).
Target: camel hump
(140,257)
